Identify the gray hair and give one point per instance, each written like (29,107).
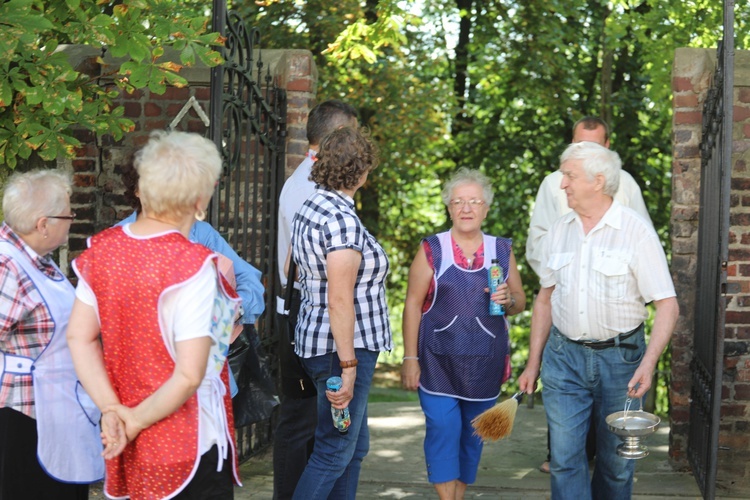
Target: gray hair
(29,196)
(596,159)
(175,170)
(468,176)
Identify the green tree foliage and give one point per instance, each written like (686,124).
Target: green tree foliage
(42,96)
(495,85)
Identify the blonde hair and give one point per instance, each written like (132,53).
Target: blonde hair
(175,170)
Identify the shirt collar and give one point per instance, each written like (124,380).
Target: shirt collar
(43,263)
(340,194)
(612,217)
(7,233)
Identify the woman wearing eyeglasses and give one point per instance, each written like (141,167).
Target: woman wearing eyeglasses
(455,354)
(49,436)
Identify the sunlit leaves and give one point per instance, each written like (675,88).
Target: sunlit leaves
(42,96)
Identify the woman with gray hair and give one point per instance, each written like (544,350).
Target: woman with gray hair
(456,354)
(49,442)
(164,315)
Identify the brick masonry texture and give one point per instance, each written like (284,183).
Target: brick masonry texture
(693,68)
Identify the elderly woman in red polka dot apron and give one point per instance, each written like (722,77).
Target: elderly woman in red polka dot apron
(455,353)
(164,315)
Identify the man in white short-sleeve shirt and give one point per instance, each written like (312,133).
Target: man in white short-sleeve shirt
(551,201)
(600,265)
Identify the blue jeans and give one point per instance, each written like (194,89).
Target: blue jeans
(578,382)
(333,468)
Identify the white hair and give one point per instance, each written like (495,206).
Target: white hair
(29,196)
(175,170)
(465,176)
(595,160)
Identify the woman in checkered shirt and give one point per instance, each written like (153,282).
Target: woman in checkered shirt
(343,319)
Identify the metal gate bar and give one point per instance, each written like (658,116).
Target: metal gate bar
(248,124)
(707,364)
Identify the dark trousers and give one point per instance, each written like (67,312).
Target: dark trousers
(293,443)
(21,475)
(298,417)
(208,484)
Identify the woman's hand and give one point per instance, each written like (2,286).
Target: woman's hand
(128,416)
(502,296)
(114,438)
(410,372)
(340,399)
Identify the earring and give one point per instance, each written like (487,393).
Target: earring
(200,214)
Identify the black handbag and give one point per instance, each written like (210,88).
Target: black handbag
(295,382)
(256,398)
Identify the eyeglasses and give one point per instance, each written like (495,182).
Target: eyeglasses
(71,217)
(474,203)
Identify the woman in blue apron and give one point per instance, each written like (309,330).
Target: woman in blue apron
(455,353)
(49,428)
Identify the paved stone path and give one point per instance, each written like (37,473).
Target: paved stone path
(395,469)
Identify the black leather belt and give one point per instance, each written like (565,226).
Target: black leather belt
(606,344)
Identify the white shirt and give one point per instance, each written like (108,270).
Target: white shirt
(297,188)
(551,203)
(603,279)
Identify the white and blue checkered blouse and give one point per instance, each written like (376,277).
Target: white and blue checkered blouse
(328,222)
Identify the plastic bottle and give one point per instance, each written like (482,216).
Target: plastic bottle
(494,278)
(341,418)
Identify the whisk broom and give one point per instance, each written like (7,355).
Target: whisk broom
(497,422)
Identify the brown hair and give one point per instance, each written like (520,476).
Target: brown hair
(345,155)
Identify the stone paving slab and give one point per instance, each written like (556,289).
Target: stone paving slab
(394,468)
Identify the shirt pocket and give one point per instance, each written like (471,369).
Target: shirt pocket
(610,273)
(560,264)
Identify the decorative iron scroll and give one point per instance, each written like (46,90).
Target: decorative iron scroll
(248,120)
(706,367)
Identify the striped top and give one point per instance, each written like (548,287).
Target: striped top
(327,222)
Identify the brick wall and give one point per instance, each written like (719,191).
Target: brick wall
(692,73)
(98,190)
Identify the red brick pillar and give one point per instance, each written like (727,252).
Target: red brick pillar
(693,70)
(690,81)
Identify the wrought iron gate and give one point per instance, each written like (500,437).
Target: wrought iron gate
(248,124)
(710,303)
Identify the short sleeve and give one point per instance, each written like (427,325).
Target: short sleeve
(191,305)
(343,231)
(85,294)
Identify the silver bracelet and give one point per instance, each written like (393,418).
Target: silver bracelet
(411,357)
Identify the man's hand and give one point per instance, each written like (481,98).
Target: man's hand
(641,381)
(527,380)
